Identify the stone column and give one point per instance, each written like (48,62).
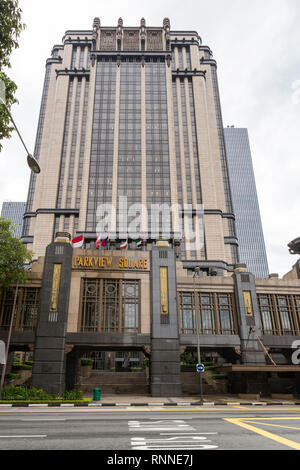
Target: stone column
(165,358)
(73,370)
(49,354)
(248,316)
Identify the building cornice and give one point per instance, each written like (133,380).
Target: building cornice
(189,73)
(51,211)
(54,60)
(231,241)
(73,72)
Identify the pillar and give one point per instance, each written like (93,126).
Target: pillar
(49,354)
(165,356)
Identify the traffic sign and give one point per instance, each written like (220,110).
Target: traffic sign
(200,367)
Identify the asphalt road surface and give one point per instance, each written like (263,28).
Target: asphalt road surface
(152,429)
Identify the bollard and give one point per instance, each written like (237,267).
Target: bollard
(97,394)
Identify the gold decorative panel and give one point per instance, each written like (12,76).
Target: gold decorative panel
(248,304)
(55,287)
(164,310)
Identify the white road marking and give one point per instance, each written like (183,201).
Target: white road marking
(43,419)
(185,419)
(187,433)
(196,447)
(169,439)
(24,436)
(183,436)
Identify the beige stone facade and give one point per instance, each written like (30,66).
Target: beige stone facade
(64,187)
(136,111)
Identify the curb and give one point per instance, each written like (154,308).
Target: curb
(95,404)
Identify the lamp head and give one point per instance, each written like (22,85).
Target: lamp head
(33,164)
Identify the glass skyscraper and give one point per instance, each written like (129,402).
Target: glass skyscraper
(14,211)
(245,202)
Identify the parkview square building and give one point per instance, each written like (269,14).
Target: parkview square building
(130,142)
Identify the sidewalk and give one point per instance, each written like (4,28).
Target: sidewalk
(119,400)
(212,400)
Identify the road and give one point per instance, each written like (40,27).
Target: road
(151,428)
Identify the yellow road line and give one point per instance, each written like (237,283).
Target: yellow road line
(282,440)
(240,407)
(141,410)
(274,425)
(273,418)
(101,410)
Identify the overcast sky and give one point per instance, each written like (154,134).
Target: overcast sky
(257,47)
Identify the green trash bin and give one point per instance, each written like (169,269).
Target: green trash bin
(97,394)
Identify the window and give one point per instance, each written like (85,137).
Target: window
(279,314)
(207,320)
(26,311)
(215,312)
(266,313)
(284,311)
(225,311)
(109,305)
(187,314)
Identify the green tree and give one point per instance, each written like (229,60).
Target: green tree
(13,256)
(11,27)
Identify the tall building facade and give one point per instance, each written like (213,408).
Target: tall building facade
(130,120)
(249,230)
(15,212)
(131,115)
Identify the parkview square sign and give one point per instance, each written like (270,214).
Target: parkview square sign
(111,262)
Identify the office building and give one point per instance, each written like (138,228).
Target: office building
(14,211)
(132,113)
(131,118)
(249,230)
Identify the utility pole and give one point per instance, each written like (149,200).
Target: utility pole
(197,322)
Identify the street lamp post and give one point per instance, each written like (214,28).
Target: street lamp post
(196,270)
(34,166)
(31,161)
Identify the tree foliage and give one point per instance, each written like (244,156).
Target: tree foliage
(13,255)
(11,27)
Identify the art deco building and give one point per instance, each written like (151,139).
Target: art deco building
(249,229)
(134,112)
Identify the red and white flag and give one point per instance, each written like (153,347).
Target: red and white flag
(98,241)
(78,241)
(124,244)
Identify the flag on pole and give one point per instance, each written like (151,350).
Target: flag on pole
(124,244)
(98,240)
(139,242)
(105,242)
(78,241)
